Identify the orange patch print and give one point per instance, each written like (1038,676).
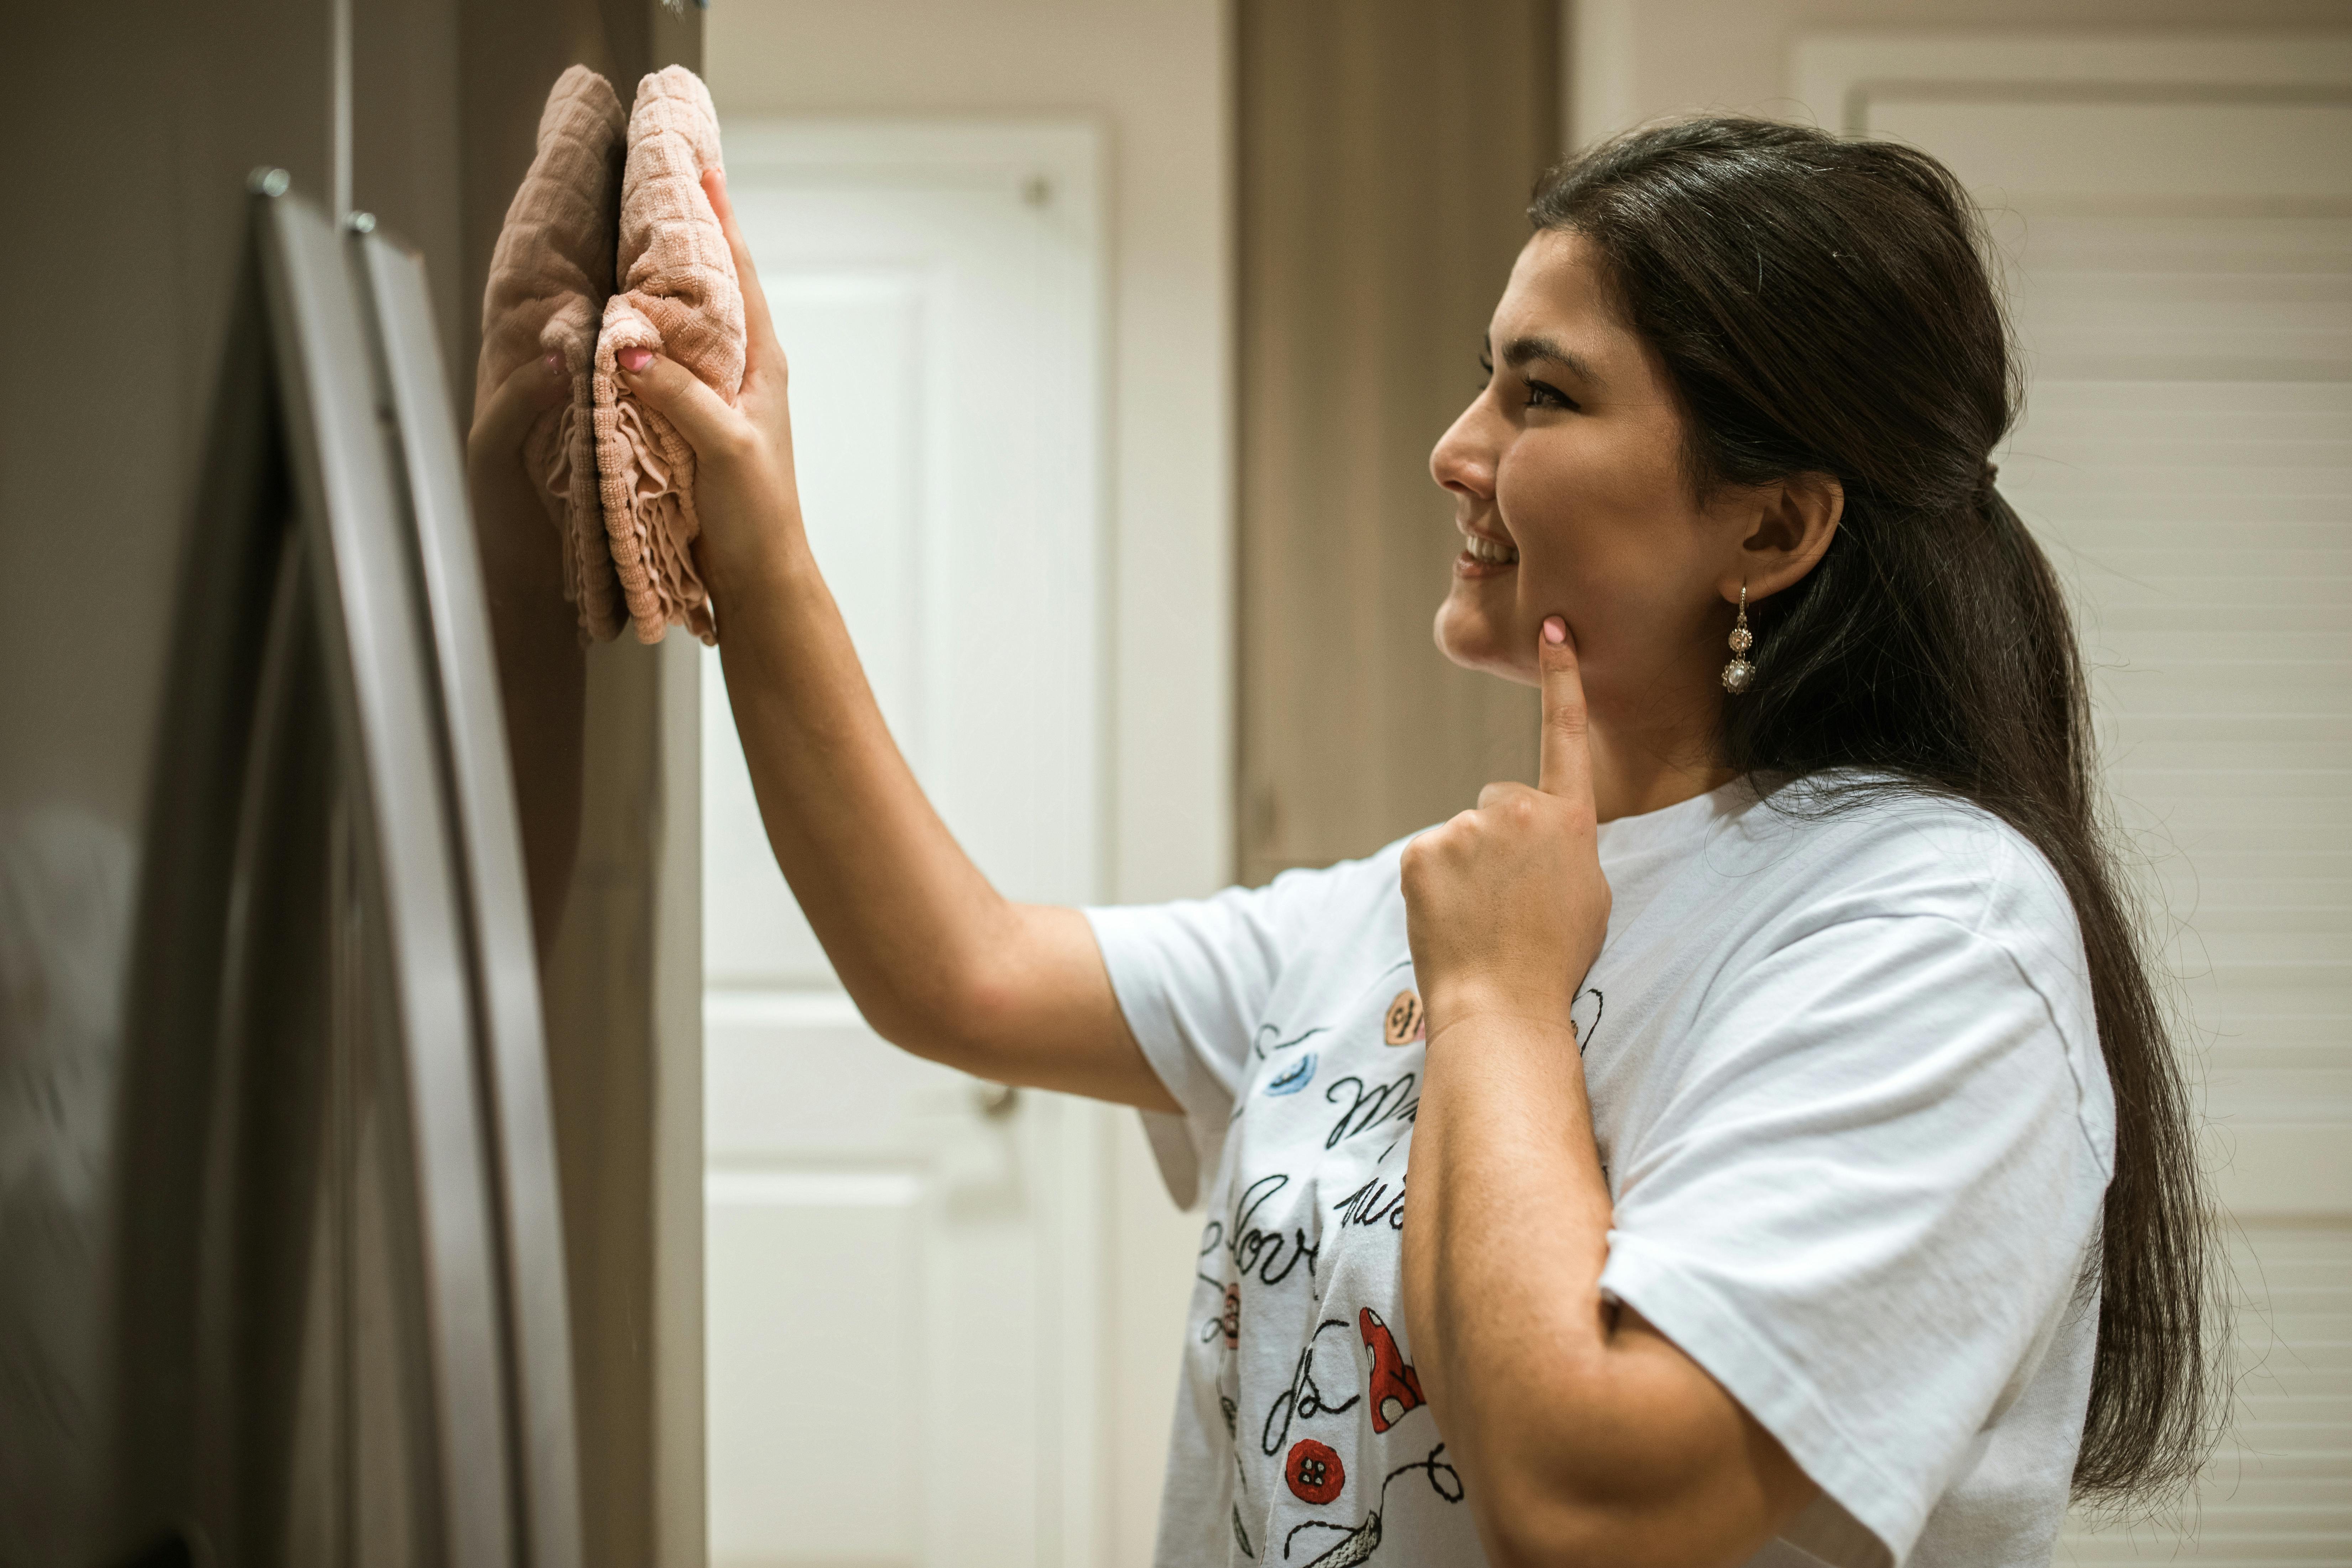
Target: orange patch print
(1405,1020)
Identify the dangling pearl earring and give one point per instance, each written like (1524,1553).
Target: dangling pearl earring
(1738,675)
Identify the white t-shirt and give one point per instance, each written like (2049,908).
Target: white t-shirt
(1849,1097)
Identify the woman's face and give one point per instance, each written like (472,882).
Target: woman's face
(1569,490)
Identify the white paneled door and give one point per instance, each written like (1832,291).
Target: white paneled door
(2176,217)
(901,1303)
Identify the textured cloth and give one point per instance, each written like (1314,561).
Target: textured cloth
(550,276)
(1849,1103)
(679,295)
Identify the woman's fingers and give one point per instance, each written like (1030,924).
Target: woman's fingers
(506,416)
(1564,765)
(678,394)
(760,328)
(1507,905)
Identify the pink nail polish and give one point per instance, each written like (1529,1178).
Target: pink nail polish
(553,361)
(1555,630)
(635,360)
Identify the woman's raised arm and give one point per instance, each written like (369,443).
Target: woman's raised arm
(936,960)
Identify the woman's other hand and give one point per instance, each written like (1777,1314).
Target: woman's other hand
(1506,906)
(744,490)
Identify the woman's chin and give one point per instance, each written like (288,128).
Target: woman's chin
(1474,638)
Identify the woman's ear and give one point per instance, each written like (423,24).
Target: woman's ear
(1792,526)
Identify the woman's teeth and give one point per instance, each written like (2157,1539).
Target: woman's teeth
(1492,552)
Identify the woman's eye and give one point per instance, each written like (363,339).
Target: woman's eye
(1542,395)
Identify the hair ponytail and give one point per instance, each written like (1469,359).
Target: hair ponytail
(1823,306)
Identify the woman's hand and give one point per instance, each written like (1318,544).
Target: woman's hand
(1506,906)
(744,490)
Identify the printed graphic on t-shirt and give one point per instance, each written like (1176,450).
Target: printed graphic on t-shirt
(1299,1267)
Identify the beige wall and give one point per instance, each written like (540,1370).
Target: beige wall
(1630,60)
(1152,74)
(1383,156)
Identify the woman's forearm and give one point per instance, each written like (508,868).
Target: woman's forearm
(1505,1236)
(1587,1436)
(900,908)
(936,960)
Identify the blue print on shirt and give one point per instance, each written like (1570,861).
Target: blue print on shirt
(1293,1079)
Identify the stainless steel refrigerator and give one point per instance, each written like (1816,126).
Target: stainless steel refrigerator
(321,1199)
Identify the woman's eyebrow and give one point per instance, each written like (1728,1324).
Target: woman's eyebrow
(1521,352)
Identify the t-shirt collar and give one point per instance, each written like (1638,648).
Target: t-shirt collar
(1672,825)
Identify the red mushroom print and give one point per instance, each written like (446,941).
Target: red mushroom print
(1395,1387)
(1313,1471)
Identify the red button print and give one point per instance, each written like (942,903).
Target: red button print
(1313,1471)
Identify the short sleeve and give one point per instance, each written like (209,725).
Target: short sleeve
(1194,978)
(1867,1203)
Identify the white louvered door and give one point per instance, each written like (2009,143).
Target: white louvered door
(2177,215)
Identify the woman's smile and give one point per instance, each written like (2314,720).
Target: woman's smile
(1483,554)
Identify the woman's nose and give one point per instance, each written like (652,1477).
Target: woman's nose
(1463,459)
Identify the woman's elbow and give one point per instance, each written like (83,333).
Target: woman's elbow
(1532,1520)
(1529,1521)
(956,1014)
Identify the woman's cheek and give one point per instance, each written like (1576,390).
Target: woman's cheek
(1536,483)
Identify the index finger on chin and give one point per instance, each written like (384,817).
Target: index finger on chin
(1565,755)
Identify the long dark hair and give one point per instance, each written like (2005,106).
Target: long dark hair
(1823,305)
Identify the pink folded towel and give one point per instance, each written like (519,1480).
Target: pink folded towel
(679,295)
(551,275)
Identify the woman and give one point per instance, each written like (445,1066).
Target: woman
(1797,1168)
